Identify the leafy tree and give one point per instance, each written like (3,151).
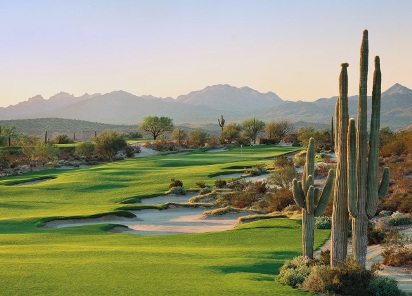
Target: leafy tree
(108,143)
(62,139)
(42,152)
(198,138)
(156,125)
(231,132)
(86,149)
(252,127)
(322,137)
(179,135)
(277,130)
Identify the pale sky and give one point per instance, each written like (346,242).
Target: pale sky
(168,48)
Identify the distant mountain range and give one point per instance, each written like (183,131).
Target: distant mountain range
(204,106)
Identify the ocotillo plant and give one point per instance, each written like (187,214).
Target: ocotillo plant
(221,122)
(364,190)
(310,199)
(340,216)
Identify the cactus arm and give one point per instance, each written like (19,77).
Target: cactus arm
(326,193)
(298,195)
(310,157)
(316,195)
(383,188)
(352,200)
(309,182)
(310,200)
(372,185)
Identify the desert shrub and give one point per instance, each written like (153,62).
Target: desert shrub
(282,177)
(160,145)
(86,149)
(294,271)
(376,236)
(129,151)
(327,158)
(256,171)
(405,205)
(205,190)
(350,278)
(108,143)
(243,199)
(299,161)
(175,183)
(266,141)
(283,161)
(133,135)
(323,222)
(201,184)
(259,187)
(384,286)
(322,169)
(220,183)
(176,190)
(395,253)
(402,220)
(62,139)
(324,258)
(279,200)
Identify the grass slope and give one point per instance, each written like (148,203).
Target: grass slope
(88,260)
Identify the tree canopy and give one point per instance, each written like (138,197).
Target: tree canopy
(156,125)
(108,143)
(252,127)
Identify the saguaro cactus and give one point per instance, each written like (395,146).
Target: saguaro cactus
(221,122)
(364,190)
(45,137)
(340,216)
(310,199)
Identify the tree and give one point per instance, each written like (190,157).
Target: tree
(43,152)
(322,137)
(198,138)
(179,135)
(108,143)
(156,125)
(62,139)
(277,130)
(86,149)
(231,132)
(252,127)
(6,133)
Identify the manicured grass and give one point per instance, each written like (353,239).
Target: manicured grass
(88,260)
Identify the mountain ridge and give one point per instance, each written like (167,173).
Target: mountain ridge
(203,106)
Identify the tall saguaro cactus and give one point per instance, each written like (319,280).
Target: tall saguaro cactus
(221,122)
(364,190)
(310,199)
(340,214)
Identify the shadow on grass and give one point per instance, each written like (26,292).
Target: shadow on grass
(267,269)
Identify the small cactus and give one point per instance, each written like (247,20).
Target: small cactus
(221,122)
(312,201)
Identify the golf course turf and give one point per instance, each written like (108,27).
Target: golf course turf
(89,260)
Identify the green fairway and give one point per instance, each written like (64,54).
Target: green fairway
(88,260)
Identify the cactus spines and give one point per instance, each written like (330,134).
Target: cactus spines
(221,122)
(340,217)
(310,199)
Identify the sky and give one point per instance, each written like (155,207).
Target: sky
(170,48)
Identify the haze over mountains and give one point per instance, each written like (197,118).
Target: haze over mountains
(204,106)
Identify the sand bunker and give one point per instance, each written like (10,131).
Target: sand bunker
(162,199)
(216,150)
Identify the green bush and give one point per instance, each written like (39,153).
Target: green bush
(295,271)
(175,183)
(384,286)
(375,235)
(201,184)
(220,183)
(401,220)
(350,278)
(176,190)
(205,190)
(323,222)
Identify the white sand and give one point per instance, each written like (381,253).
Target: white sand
(216,150)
